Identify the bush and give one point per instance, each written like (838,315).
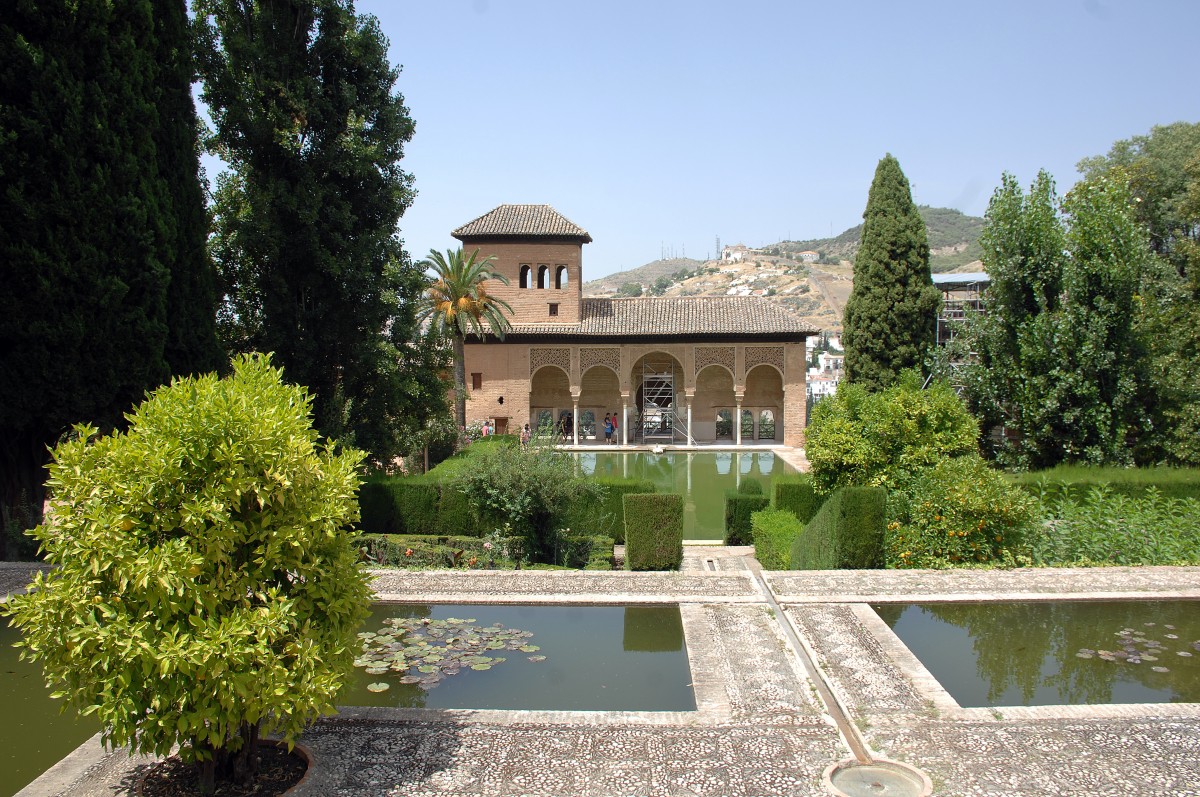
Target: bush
(1130,482)
(606,514)
(799,496)
(395,505)
(774,532)
(531,488)
(881,439)
(586,551)
(960,511)
(739,505)
(206,586)
(846,532)
(653,531)
(434,551)
(1100,526)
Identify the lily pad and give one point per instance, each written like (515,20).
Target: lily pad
(529,648)
(536,659)
(1160,669)
(378,687)
(481,667)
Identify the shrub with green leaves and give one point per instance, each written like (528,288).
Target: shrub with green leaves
(739,505)
(799,496)
(1102,526)
(653,531)
(960,511)
(774,532)
(881,439)
(206,584)
(606,515)
(846,533)
(529,487)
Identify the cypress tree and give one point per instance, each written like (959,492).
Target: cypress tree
(89,245)
(310,267)
(891,317)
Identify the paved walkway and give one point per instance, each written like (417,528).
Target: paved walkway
(760,728)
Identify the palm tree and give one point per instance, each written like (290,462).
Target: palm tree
(457,304)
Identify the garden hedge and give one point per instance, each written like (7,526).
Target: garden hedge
(798,496)
(653,531)
(846,533)
(739,505)
(608,515)
(775,530)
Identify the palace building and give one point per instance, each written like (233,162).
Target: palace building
(677,370)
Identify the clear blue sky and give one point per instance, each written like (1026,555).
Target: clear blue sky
(660,123)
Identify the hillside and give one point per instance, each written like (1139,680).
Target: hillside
(816,291)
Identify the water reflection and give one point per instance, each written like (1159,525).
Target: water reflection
(701,477)
(1028,653)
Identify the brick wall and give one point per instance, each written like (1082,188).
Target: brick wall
(532,305)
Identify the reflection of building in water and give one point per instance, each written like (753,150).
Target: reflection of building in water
(671,369)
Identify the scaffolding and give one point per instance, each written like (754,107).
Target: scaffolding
(658,417)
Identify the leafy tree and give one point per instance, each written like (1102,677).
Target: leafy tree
(858,438)
(1162,170)
(660,286)
(1058,354)
(105,287)
(305,116)
(631,289)
(206,586)
(891,316)
(457,304)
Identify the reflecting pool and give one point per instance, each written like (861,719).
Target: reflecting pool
(701,477)
(33,735)
(553,658)
(1056,653)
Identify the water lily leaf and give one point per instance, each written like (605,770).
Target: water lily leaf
(529,648)
(1183,653)
(410,679)
(1172,636)
(536,659)
(1083,654)
(376,670)
(426,668)
(481,667)
(378,687)
(1160,669)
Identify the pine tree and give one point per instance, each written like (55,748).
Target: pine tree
(310,266)
(94,183)
(891,317)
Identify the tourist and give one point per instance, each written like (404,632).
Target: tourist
(608,428)
(526,436)
(615,427)
(487,428)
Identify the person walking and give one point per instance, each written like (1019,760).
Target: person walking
(608,428)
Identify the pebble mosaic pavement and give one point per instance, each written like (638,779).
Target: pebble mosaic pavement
(759,729)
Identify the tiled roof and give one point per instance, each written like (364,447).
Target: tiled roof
(538,221)
(688,315)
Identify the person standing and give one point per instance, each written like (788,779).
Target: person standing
(608,428)
(616,429)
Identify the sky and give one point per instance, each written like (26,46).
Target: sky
(659,125)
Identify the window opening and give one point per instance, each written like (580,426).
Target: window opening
(554,308)
(560,277)
(476,381)
(543,277)
(525,270)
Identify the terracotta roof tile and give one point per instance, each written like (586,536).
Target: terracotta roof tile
(690,315)
(539,221)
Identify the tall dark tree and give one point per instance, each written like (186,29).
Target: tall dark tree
(310,266)
(891,316)
(102,233)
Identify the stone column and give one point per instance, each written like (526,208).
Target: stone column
(575,420)
(690,440)
(737,422)
(624,419)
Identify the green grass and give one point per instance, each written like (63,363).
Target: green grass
(1132,482)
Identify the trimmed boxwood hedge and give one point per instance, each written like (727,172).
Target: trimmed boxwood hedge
(846,533)
(607,516)
(739,505)
(774,532)
(653,531)
(799,497)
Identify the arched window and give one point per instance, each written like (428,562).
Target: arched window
(560,277)
(543,276)
(525,275)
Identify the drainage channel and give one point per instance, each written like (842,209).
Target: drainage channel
(864,775)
